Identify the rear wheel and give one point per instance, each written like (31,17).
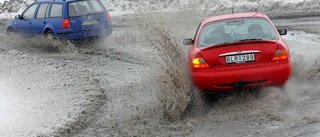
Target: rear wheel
(281,87)
(50,35)
(211,97)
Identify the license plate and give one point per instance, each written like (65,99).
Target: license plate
(240,58)
(89,22)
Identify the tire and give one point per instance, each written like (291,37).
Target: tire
(10,31)
(50,35)
(210,97)
(282,87)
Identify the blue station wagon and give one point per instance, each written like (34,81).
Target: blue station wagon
(64,19)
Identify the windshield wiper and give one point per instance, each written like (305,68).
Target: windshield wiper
(248,39)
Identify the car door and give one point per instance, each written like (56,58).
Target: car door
(55,14)
(25,24)
(41,19)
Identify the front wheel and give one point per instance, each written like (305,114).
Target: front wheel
(10,31)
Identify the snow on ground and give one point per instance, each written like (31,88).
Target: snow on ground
(274,8)
(42,95)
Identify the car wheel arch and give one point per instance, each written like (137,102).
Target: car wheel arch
(49,33)
(47,30)
(10,29)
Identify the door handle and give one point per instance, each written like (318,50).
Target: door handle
(44,22)
(30,23)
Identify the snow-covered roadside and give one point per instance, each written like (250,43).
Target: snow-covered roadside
(274,8)
(8,9)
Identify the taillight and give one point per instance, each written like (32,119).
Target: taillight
(199,62)
(65,23)
(281,54)
(109,17)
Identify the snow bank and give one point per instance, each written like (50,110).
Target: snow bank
(274,8)
(8,9)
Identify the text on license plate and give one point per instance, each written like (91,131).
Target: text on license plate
(89,22)
(240,58)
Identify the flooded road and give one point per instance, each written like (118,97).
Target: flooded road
(136,83)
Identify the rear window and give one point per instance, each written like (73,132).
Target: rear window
(56,11)
(236,30)
(85,7)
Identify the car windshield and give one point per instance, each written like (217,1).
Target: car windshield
(234,30)
(85,7)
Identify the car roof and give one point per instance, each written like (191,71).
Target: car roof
(233,16)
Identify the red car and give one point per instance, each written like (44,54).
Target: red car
(243,50)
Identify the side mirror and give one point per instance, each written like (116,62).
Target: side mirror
(282,31)
(18,17)
(188,41)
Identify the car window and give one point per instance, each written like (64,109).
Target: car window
(29,13)
(235,30)
(56,11)
(85,7)
(42,11)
